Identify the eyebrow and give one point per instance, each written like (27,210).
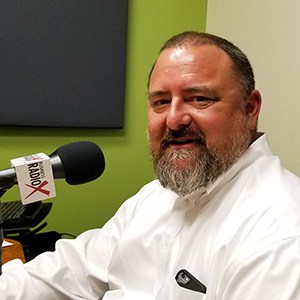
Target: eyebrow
(193,89)
(200,88)
(157,93)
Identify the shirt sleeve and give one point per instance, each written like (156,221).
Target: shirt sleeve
(272,273)
(77,269)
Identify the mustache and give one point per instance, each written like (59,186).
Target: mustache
(171,136)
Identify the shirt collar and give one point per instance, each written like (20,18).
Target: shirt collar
(260,147)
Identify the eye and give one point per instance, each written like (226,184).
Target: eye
(159,104)
(202,100)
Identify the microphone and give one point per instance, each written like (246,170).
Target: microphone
(77,163)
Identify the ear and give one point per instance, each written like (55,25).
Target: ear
(252,109)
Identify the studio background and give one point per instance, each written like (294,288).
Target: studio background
(128,166)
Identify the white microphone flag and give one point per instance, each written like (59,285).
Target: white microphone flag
(35,177)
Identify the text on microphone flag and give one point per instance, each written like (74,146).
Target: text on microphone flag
(35,177)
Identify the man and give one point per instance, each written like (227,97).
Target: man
(222,222)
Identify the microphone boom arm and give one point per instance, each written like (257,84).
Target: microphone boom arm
(7,184)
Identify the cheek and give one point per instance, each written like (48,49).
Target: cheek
(215,127)
(220,130)
(156,130)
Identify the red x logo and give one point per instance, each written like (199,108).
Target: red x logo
(39,188)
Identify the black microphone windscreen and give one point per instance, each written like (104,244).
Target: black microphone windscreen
(82,161)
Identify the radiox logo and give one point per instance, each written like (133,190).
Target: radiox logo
(36,175)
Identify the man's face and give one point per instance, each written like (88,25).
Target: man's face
(196,125)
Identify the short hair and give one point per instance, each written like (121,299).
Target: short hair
(241,65)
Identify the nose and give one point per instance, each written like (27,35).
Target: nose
(178,116)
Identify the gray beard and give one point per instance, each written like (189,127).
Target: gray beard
(201,167)
(199,173)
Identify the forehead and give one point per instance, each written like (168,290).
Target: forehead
(204,61)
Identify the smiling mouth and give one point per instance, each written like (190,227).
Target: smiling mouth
(182,143)
(183,138)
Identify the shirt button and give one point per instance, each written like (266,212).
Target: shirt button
(166,243)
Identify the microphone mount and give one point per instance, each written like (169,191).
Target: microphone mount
(5,185)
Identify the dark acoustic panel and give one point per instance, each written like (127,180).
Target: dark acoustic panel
(62,63)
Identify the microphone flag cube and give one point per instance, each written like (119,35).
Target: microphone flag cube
(35,177)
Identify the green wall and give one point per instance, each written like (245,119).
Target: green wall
(128,166)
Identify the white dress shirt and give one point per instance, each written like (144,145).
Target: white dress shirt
(240,237)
